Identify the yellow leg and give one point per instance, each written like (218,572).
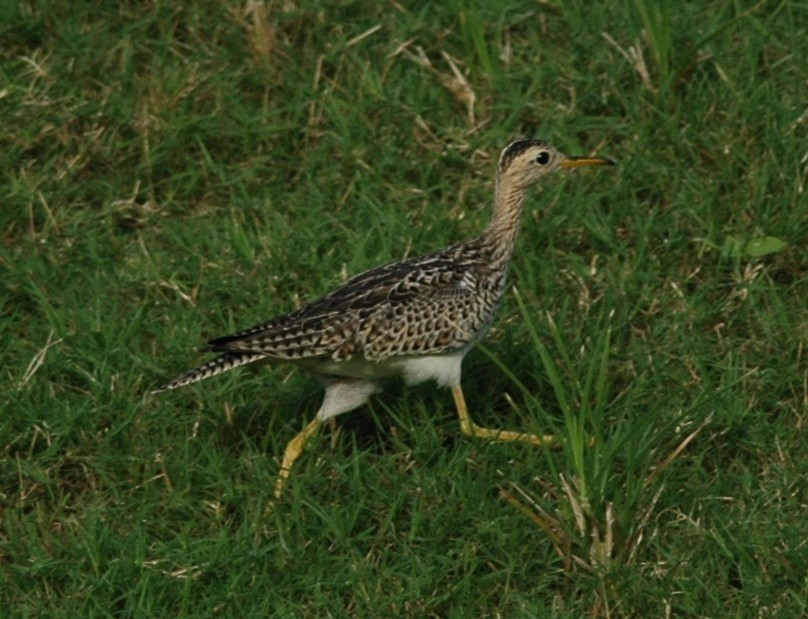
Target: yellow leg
(293,450)
(468,427)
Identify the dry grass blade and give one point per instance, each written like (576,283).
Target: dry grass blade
(363,35)
(37,361)
(577,510)
(261,34)
(633,542)
(634,56)
(551,526)
(456,82)
(602,549)
(459,86)
(675,453)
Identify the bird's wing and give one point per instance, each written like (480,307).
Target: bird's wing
(380,305)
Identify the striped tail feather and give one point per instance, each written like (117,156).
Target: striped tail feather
(220,364)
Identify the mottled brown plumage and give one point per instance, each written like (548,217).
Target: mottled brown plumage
(415,318)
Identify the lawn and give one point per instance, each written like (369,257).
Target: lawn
(172,172)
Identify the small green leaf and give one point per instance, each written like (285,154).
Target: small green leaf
(764,246)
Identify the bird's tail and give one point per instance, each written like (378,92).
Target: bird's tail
(220,364)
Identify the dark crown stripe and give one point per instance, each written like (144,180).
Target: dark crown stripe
(515,148)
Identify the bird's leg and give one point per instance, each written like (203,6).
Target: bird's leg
(468,427)
(293,450)
(341,395)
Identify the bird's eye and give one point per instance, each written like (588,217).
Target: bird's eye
(543,157)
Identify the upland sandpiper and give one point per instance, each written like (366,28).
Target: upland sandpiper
(416,318)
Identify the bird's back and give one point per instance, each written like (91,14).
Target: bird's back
(428,305)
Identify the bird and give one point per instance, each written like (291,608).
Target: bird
(415,319)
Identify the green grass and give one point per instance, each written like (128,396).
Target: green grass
(173,171)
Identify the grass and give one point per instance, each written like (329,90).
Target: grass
(172,172)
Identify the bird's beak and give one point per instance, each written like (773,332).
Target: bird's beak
(579,162)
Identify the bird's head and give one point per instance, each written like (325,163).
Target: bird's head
(525,161)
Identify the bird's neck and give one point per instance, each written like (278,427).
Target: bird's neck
(504,227)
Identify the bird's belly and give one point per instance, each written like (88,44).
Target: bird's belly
(443,368)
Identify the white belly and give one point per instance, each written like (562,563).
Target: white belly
(444,369)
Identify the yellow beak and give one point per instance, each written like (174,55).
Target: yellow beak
(579,162)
